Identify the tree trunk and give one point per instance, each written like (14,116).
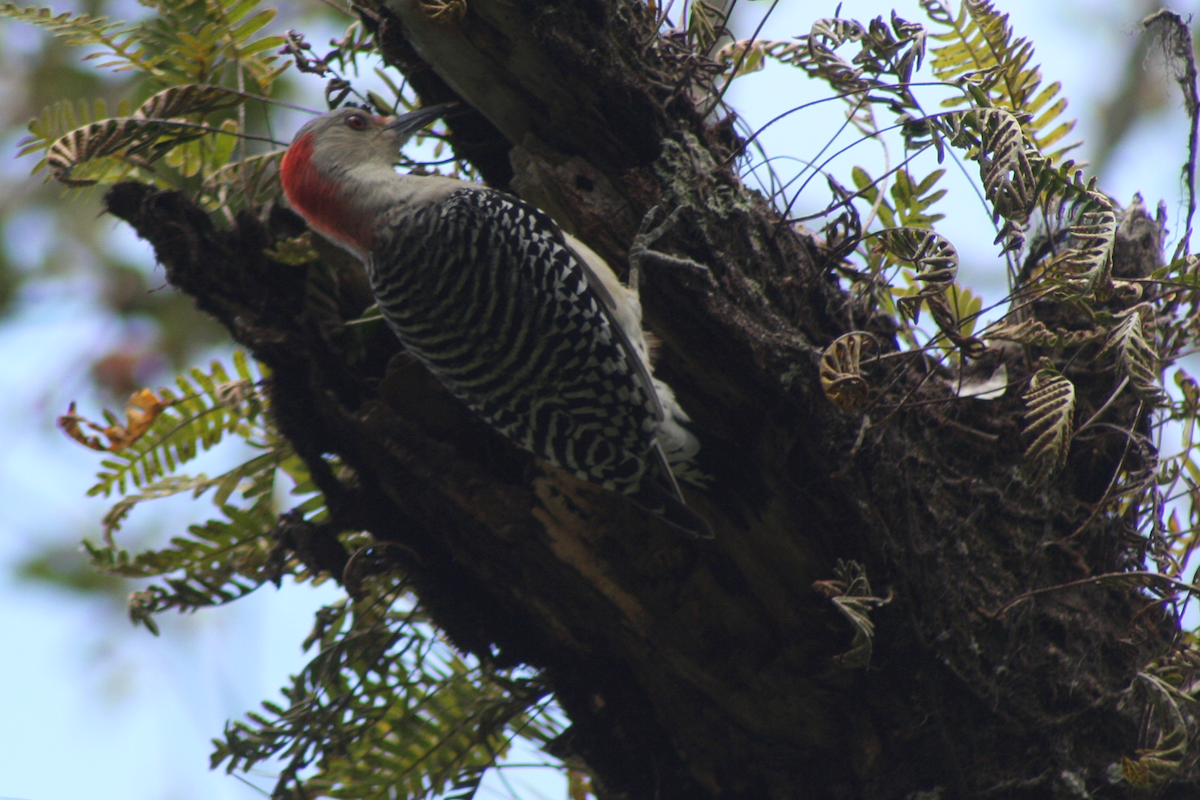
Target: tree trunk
(694,669)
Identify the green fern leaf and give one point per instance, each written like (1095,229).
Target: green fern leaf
(1049,412)
(912,201)
(982,50)
(1011,178)
(179,101)
(1087,261)
(198,419)
(130,137)
(385,708)
(868,187)
(122,45)
(1034,333)
(933,257)
(246,182)
(1130,342)
(217,563)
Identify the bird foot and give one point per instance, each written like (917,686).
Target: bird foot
(640,252)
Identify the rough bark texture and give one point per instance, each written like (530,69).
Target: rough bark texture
(703,669)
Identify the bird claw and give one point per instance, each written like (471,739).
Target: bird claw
(647,235)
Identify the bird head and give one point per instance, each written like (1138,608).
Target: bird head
(335,166)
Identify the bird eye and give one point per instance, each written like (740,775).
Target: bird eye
(356,122)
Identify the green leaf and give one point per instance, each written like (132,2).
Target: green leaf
(933,257)
(982,49)
(1049,414)
(386,709)
(252,25)
(1131,343)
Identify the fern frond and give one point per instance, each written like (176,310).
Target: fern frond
(868,188)
(209,406)
(1034,333)
(851,594)
(147,140)
(982,43)
(750,55)
(820,59)
(246,182)
(933,257)
(1049,418)
(893,51)
(57,120)
(204,43)
(1130,342)
(384,708)
(913,200)
(466,785)
(1160,763)
(256,56)
(72,138)
(253,477)
(982,49)
(1090,218)
(219,562)
(190,98)
(704,25)
(141,410)
(999,145)
(841,373)
(954,311)
(124,45)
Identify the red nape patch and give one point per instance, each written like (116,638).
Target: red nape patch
(320,201)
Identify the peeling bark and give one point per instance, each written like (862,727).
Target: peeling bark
(700,669)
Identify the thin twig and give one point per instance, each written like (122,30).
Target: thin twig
(1112,398)
(842,96)
(208,128)
(745,51)
(1179,52)
(1145,578)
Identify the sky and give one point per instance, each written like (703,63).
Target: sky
(91,707)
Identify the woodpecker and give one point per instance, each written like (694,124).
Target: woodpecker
(520,321)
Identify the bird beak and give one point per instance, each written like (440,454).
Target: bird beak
(406,125)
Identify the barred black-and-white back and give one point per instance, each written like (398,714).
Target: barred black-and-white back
(484,290)
(528,327)
(538,338)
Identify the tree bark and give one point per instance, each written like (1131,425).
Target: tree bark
(695,669)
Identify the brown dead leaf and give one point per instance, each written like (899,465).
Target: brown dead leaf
(142,408)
